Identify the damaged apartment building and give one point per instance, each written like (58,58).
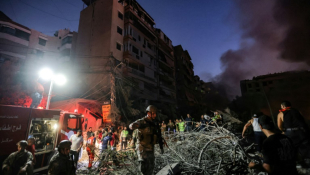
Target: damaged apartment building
(118,45)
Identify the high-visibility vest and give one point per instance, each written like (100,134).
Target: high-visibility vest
(124,133)
(181,126)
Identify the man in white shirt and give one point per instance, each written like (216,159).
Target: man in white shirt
(259,136)
(77,143)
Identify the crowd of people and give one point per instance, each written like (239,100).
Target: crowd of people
(278,149)
(189,124)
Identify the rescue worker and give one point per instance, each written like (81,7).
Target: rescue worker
(293,124)
(259,136)
(217,118)
(18,162)
(148,135)
(62,162)
(124,136)
(91,149)
(181,128)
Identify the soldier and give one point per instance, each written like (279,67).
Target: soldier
(134,139)
(148,135)
(62,162)
(18,162)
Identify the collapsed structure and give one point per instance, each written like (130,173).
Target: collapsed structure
(214,150)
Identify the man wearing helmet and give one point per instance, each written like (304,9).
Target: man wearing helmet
(62,163)
(148,135)
(18,162)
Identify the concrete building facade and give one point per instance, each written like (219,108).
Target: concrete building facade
(24,51)
(112,31)
(274,88)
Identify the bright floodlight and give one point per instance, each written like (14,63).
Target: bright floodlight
(60,79)
(55,126)
(46,74)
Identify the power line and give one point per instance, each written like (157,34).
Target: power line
(60,11)
(71,4)
(93,87)
(13,10)
(45,11)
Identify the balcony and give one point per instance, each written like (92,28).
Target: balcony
(65,46)
(14,39)
(140,74)
(127,54)
(167,85)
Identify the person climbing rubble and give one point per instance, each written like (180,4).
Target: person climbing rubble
(148,135)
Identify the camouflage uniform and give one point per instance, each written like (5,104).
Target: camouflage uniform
(148,135)
(18,160)
(61,165)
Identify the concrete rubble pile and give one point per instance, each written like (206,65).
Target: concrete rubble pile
(212,151)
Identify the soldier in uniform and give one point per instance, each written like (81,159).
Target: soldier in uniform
(148,135)
(18,162)
(62,162)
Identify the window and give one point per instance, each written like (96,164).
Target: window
(249,85)
(135,50)
(134,65)
(44,133)
(264,83)
(119,30)
(141,54)
(15,32)
(7,30)
(149,45)
(141,68)
(22,35)
(120,16)
(118,46)
(42,42)
(139,38)
(67,40)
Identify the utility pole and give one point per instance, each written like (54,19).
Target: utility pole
(114,109)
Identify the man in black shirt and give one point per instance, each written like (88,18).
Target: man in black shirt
(293,124)
(278,151)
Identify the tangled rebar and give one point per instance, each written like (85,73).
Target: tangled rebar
(207,150)
(211,150)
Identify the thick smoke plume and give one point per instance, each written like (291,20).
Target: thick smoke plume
(275,38)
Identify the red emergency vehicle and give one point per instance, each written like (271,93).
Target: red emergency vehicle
(47,127)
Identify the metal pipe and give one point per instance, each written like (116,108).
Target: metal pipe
(49,95)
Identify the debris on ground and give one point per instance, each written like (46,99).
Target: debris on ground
(212,150)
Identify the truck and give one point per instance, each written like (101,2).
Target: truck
(47,127)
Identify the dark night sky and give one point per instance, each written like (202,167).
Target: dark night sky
(228,40)
(203,27)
